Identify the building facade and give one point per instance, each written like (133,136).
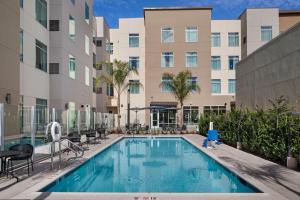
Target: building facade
(270,72)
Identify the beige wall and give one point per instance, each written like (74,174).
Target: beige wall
(224,27)
(64,89)
(34,83)
(122,51)
(9,65)
(179,20)
(271,71)
(253,19)
(287,20)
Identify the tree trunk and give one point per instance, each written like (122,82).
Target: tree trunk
(181,115)
(118,109)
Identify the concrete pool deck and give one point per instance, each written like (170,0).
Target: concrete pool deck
(276,182)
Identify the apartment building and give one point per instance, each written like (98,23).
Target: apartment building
(270,72)
(104,48)
(129,45)
(179,39)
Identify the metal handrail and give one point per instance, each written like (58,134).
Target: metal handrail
(72,149)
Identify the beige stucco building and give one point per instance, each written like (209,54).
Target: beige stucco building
(270,72)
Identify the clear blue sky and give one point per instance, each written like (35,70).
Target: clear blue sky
(112,10)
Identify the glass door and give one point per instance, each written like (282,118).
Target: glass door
(155,119)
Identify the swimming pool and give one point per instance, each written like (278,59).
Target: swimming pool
(157,165)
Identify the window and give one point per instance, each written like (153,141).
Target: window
(216,110)
(216,63)
(215,40)
(96,89)
(21,3)
(232,60)
(233,39)
(193,82)
(110,47)
(54,25)
(54,68)
(87,76)
(41,113)
(87,44)
(94,61)
(167,59)
(231,86)
(87,13)
(134,40)
(72,67)
(190,114)
(73,2)
(99,43)
(191,34)
(41,12)
(134,62)
(191,59)
(134,86)
(41,56)
(71,28)
(266,33)
(21,39)
(216,86)
(167,35)
(166,81)
(109,90)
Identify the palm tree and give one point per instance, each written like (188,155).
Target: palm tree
(181,87)
(118,72)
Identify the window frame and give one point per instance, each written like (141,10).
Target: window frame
(39,45)
(236,35)
(173,56)
(262,35)
(213,34)
(219,82)
(234,67)
(72,36)
(134,83)
(44,5)
(231,81)
(186,59)
(188,31)
(137,59)
(71,72)
(161,35)
(132,36)
(164,86)
(219,66)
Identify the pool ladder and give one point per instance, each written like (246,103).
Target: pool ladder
(71,146)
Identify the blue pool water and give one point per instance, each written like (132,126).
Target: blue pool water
(151,165)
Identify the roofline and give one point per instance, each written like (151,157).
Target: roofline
(176,8)
(255,9)
(289,12)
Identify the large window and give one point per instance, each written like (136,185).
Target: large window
(134,40)
(71,27)
(266,33)
(41,12)
(233,39)
(109,90)
(193,82)
(216,63)
(216,86)
(21,2)
(190,114)
(94,60)
(87,13)
(215,40)
(72,67)
(109,47)
(167,59)
(231,86)
(191,59)
(232,61)
(134,62)
(41,114)
(87,44)
(134,86)
(191,34)
(41,56)
(21,36)
(87,76)
(167,35)
(166,81)
(215,110)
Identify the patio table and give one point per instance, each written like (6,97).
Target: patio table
(4,155)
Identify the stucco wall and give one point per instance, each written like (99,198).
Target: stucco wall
(271,71)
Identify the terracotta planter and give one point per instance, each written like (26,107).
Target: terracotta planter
(291,162)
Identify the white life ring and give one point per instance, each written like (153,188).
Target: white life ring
(55,136)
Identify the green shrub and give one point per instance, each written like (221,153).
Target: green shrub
(272,134)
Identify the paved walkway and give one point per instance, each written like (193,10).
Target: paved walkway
(277,182)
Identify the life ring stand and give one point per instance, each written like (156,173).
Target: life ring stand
(55,136)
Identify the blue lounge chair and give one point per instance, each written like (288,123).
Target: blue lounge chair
(212,135)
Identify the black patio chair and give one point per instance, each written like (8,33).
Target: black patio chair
(26,151)
(90,136)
